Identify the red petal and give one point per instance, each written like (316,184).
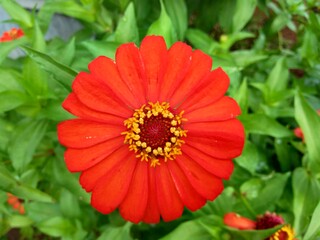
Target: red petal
(81,159)
(220,168)
(77,108)
(222,140)
(169,201)
(90,177)
(189,196)
(134,205)
(113,187)
(105,70)
(179,59)
(207,185)
(236,221)
(213,87)
(224,109)
(79,133)
(131,70)
(98,96)
(154,54)
(199,68)
(152,214)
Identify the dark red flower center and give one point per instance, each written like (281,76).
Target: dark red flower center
(155,133)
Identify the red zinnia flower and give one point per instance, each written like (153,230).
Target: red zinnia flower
(154,131)
(12,34)
(15,203)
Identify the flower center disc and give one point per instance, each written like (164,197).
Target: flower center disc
(155,133)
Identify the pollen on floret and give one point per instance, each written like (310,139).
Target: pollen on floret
(154,133)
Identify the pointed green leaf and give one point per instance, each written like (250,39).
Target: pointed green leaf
(127,30)
(314,226)
(11,99)
(17,12)
(309,121)
(7,47)
(243,13)
(279,76)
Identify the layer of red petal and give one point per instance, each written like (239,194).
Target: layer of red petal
(154,55)
(236,221)
(79,133)
(131,70)
(212,88)
(135,202)
(224,109)
(84,158)
(169,202)
(223,140)
(199,68)
(111,189)
(152,214)
(179,60)
(189,196)
(98,96)
(206,184)
(90,177)
(219,168)
(106,71)
(77,108)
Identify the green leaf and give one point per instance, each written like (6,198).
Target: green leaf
(309,121)
(306,195)
(101,48)
(278,77)
(314,226)
(18,13)
(177,11)
(249,158)
(7,47)
(241,96)
(127,30)
(56,227)
(9,80)
(254,234)
(244,58)
(262,124)
(234,37)
(18,221)
(69,204)
(202,41)
(11,99)
(63,74)
(117,233)
(243,13)
(26,139)
(163,27)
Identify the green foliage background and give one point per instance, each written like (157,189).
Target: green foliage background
(271,51)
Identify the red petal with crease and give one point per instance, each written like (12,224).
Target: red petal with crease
(154,54)
(179,60)
(199,68)
(106,71)
(134,205)
(77,108)
(90,177)
(222,140)
(220,168)
(78,133)
(224,109)
(169,202)
(84,158)
(207,185)
(131,70)
(152,214)
(213,87)
(98,96)
(189,196)
(113,187)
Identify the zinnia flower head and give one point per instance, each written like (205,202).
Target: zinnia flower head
(234,220)
(12,34)
(15,203)
(154,132)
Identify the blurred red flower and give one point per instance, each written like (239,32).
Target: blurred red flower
(234,220)
(154,131)
(15,203)
(12,34)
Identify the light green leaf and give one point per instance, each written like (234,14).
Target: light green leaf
(241,96)
(101,48)
(23,146)
(306,195)
(177,11)
(56,227)
(278,77)
(19,221)
(11,99)
(309,121)
(244,58)
(243,13)
(163,27)
(262,124)
(234,37)
(117,233)
(17,12)
(314,226)
(127,30)
(7,47)
(63,74)
(202,41)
